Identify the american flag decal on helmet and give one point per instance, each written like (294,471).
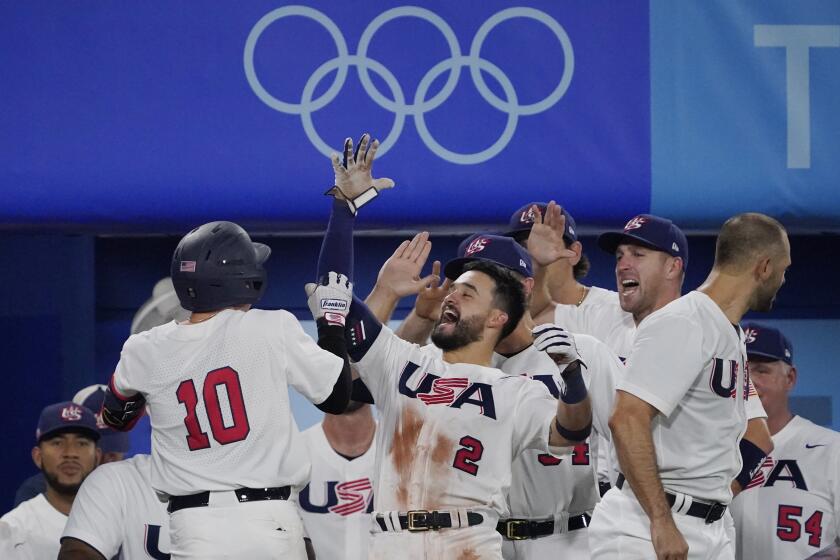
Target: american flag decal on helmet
(187,266)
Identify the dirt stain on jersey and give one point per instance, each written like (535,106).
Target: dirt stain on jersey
(468,554)
(439,473)
(404,451)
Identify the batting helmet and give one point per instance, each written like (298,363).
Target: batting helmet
(216,266)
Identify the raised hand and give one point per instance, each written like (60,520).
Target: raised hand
(545,243)
(558,343)
(430,298)
(330,300)
(354,181)
(401,272)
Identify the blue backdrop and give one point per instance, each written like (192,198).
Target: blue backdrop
(160,115)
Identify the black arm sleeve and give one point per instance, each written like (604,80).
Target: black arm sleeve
(331,339)
(361,393)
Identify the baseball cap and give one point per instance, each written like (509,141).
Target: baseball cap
(66,417)
(650,231)
(494,248)
(92,397)
(768,343)
(523,220)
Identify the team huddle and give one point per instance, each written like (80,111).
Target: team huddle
(519,413)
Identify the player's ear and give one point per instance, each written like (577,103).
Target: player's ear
(528,286)
(763,268)
(675,268)
(791,378)
(496,319)
(577,247)
(36,456)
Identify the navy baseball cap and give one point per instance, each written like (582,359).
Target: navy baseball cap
(523,220)
(767,343)
(650,231)
(112,441)
(494,248)
(66,417)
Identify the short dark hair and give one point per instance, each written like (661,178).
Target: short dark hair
(581,269)
(508,295)
(743,237)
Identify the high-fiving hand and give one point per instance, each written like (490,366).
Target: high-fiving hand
(354,181)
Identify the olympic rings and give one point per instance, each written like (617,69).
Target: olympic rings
(420,105)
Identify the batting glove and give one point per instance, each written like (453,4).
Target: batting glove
(330,300)
(354,182)
(558,343)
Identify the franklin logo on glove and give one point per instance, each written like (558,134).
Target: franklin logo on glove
(333,305)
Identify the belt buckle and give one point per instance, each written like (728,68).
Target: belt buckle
(412,524)
(510,525)
(716,511)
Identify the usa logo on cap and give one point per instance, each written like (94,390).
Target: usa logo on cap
(635,223)
(477,245)
(750,335)
(527,217)
(71,413)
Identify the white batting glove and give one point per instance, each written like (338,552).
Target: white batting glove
(558,343)
(330,300)
(354,182)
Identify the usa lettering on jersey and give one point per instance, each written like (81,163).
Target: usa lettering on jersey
(342,498)
(451,392)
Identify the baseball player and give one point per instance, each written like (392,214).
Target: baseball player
(791,507)
(449,428)
(66,453)
(680,409)
(113,444)
(336,504)
(225,449)
(117,514)
(550,499)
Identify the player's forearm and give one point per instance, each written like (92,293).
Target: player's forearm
(540,294)
(637,457)
(573,422)
(415,329)
(754,447)
(74,549)
(331,338)
(382,302)
(337,247)
(119,411)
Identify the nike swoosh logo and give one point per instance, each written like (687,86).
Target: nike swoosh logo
(807,446)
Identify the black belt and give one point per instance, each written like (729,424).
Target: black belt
(603,488)
(202,499)
(520,529)
(710,512)
(423,520)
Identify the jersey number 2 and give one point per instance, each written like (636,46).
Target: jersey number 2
(467,457)
(239,428)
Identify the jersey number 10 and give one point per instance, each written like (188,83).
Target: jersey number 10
(237,431)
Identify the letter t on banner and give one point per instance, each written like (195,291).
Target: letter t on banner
(797,40)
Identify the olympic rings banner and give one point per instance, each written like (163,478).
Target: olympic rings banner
(156,116)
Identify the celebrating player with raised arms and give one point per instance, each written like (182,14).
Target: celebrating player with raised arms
(450,426)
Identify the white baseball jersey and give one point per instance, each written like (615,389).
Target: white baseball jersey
(336,504)
(791,508)
(117,512)
(13,545)
(448,433)
(38,525)
(217,394)
(688,361)
(544,486)
(601,317)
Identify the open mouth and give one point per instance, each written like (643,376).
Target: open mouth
(449,315)
(629,286)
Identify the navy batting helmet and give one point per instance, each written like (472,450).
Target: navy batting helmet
(217,265)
